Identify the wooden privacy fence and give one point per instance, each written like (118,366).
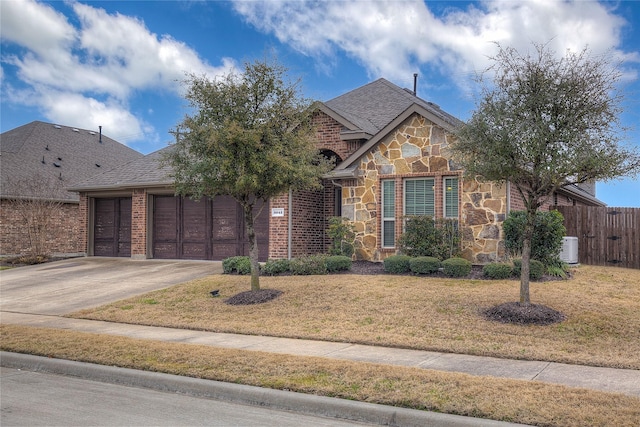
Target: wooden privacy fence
(606,236)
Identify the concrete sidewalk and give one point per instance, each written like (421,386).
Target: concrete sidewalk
(626,381)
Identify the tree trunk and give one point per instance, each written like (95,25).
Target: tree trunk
(253,246)
(526,257)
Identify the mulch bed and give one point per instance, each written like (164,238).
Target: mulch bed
(373,268)
(531,314)
(253,297)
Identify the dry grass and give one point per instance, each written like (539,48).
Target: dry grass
(601,304)
(483,397)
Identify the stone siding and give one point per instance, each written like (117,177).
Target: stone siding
(418,148)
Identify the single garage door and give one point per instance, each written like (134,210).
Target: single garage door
(203,229)
(112,227)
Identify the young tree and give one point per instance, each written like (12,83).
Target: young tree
(250,136)
(544,124)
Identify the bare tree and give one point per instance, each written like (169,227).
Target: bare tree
(34,200)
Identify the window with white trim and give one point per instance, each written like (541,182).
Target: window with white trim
(388,220)
(450,197)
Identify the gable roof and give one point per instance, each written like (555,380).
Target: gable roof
(370,108)
(374,110)
(60,154)
(144,172)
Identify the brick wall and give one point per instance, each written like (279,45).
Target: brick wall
(83,223)
(328,134)
(139,223)
(308,223)
(517,203)
(63,234)
(278,235)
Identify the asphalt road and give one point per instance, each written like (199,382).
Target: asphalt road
(39,399)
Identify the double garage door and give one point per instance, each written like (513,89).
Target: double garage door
(181,228)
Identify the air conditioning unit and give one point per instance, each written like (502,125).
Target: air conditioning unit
(569,252)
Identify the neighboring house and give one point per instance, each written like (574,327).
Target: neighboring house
(37,161)
(391,154)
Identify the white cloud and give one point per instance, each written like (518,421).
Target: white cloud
(36,27)
(95,67)
(393,39)
(77,110)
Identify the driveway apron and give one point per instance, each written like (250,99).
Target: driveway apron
(62,287)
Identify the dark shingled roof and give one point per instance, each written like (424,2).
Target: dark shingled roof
(141,173)
(60,154)
(367,109)
(373,106)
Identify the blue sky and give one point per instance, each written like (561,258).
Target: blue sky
(119,64)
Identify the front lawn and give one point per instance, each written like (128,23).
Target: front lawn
(601,305)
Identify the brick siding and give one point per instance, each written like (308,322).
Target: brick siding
(139,223)
(278,235)
(64,236)
(517,202)
(328,136)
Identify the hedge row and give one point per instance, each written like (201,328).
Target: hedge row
(314,264)
(459,267)
(396,264)
(452,267)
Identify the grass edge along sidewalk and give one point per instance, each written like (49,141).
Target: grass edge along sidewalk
(517,401)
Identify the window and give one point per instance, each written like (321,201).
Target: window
(388,213)
(419,197)
(451,197)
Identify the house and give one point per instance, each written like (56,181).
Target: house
(37,161)
(391,157)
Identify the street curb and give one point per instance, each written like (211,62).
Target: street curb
(249,395)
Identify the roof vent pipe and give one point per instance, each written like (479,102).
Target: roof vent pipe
(100,140)
(415,84)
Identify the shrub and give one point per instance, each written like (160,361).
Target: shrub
(238,264)
(342,236)
(338,263)
(424,265)
(557,271)
(275,266)
(424,236)
(456,267)
(497,270)
(314,264)
(244,265)
(547,236)
(536,268)
(397,264)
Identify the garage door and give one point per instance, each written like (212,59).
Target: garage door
(204,229)
(112,227)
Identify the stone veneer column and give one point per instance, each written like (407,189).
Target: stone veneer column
(139,224)
(484,206)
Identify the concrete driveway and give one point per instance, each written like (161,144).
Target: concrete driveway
(62,287)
